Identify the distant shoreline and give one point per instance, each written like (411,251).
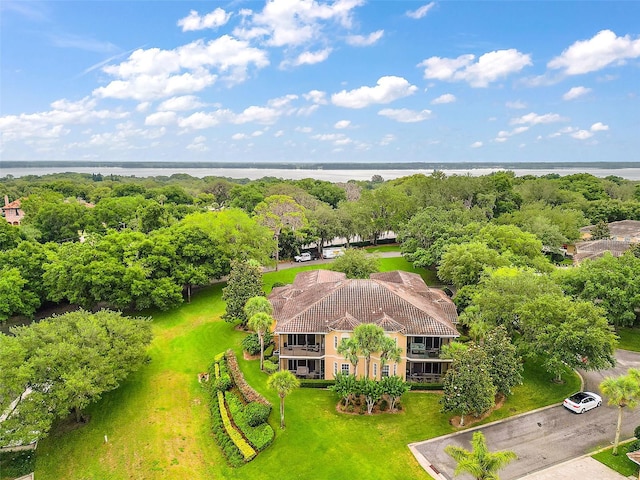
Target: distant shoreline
(9,164)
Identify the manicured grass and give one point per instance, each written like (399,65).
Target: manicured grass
(629,339)
(620,463)
(158,423)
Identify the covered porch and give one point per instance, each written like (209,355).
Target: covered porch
(425,372)
(304,368)
(301,345)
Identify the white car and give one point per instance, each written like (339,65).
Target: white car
(582,401)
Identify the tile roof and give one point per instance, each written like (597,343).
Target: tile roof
(319,301)
(14,204)
(621,228)
(592,249)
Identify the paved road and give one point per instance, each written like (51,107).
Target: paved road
(545,437)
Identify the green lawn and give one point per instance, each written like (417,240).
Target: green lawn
(158,424)
(629,338)
(620,463)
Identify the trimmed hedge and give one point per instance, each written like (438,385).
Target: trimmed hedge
(229,449)
(425,386)
(261,435)
(246,450)
(249,394)
(319,383)
(270,367)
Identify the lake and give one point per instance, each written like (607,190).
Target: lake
(320,174)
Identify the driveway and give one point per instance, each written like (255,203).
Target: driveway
(544,437)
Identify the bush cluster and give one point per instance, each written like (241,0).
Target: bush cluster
(229,449)
(270,367)
(246,450)
(251,343)
(366,393)
(251,421)
(249,394)
(316,383)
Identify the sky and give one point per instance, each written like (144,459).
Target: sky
(320,81)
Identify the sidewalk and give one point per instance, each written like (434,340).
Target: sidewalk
(583,467)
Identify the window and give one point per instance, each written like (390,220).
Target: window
(335,342)
(375,370)
(395,369)
(345,369)
(385,371)
(335,368)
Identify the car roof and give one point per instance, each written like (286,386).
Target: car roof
(579,396)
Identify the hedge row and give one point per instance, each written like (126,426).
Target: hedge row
(260,434)
(231,452)
(249,394)
(246,450)
(320,383)
(425,386)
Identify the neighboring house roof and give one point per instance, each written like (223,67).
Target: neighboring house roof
(634,456)
(620,230)
(320,301)
(14,204)
(593,249)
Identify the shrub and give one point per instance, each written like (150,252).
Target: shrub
(256,413)
(321,383)
(425,386)
(249,394)
(259,435)
(251,343)
(384,405)
(229,449)
(246,450)
(636,432)
(223,384)
(270,367)
(633,446)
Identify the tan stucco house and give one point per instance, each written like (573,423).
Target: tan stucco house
(321,307)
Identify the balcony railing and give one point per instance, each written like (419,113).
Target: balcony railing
(302,351)
(420,351)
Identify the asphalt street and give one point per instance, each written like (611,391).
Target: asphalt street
(545,437)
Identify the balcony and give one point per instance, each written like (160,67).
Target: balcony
(312,350)
(420,351)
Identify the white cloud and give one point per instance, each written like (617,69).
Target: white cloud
(476,144)
(198,144)
(279,133)
(160,118)
(304,129)
(365,40)
(239,136)
(295,22)
(143,107)
(504,134)
(516,105)
(53,123)
(387,90)
(490,67)
(420,12)
(201,120)
(309,58)
(387,139)
(179,104)
(582,134)
(404,115)
(535,119)
(600,51)
(194,21)
(575,92)
(263,115)
(316,96)
(446,98)
(337,139)
(599,127)
(342,124)
(156,73)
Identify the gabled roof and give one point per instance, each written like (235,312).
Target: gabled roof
(14,204)
(320,300)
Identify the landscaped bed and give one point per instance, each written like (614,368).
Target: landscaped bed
(159,427)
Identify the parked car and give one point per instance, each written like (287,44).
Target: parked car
(303,257)
(582,401)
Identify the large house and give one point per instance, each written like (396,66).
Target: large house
(321,307)
(12,212)
(624,233)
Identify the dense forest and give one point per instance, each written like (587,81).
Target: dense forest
(133,243)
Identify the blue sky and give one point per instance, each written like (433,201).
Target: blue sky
(315,81)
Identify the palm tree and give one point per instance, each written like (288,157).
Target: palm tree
(349,348)
(623,391)
(260,323)
(284,382)
(258,304)
(479,462)
(369,338)
(389,351)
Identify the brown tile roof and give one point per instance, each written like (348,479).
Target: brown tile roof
(319,301)
(596,248)
(622,228)
(14,204)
